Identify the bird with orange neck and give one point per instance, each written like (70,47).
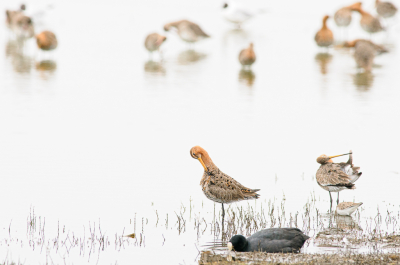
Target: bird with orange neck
(247,56)
(216,185)
(368,22)
(335,177)
(324,37)
(46,41)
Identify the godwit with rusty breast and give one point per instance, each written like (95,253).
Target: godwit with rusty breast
(335,177)
(385,9)
(271,240)
(368,22)
(46,41)
(247,56)
(216,185)
(324,37)
(364,53)
(342,17)
(187,30)
(347,208)
(153,41)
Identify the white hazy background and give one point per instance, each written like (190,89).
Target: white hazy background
(101,138)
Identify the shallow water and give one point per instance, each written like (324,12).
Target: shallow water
(95,132)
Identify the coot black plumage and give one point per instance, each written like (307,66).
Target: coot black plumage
(272,240)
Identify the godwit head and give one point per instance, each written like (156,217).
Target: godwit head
(199,153)
(323,159)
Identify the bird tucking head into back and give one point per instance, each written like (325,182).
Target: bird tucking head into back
(323,159)
(199,153)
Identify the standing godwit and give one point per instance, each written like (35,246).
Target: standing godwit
(385,9)
(216,185)
(368,22)
(342,17)
(335,177)
(247,56)
(324,37)
(153,41)
(46,41)
(364,53)
(21,25)
(271,240)
(347,208)
(187,31)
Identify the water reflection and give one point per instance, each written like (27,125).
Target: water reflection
(20,62)
(346,223)
(154,67)
(323,59)
(190,56)
(363,81)
(247,77)
(46,68)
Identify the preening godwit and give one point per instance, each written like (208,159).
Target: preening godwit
(46,41)
(347,208)
(153,41)
(247,56)
(216,185)
(364,53)
(324,37)
(385,9)
(272,240)
(342,17)
(335,177)
(368,22)
(235,13)
(187,31)
(11,15)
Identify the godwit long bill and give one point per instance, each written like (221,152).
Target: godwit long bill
(335,177)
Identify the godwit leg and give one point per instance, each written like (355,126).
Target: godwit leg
(337,198)
(223,212)
(330,196)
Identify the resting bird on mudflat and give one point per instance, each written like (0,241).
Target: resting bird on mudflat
(153,41)
(342,17)
(324,37)
(347,208)
(247,56)
(216,185)
(364,53)
(272,240)
(335,177)
(187,31)
(46,41)
(368,22)
(385,9)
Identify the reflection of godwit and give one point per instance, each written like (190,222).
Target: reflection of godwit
(153,41)
(369,23)
(247,56)
(347,208)
(363,81)
(324,37)
(385,9)
(187,31)
(323,60)
(248,76)
(272,240)
(218,186)
(335,177)
(190,56)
